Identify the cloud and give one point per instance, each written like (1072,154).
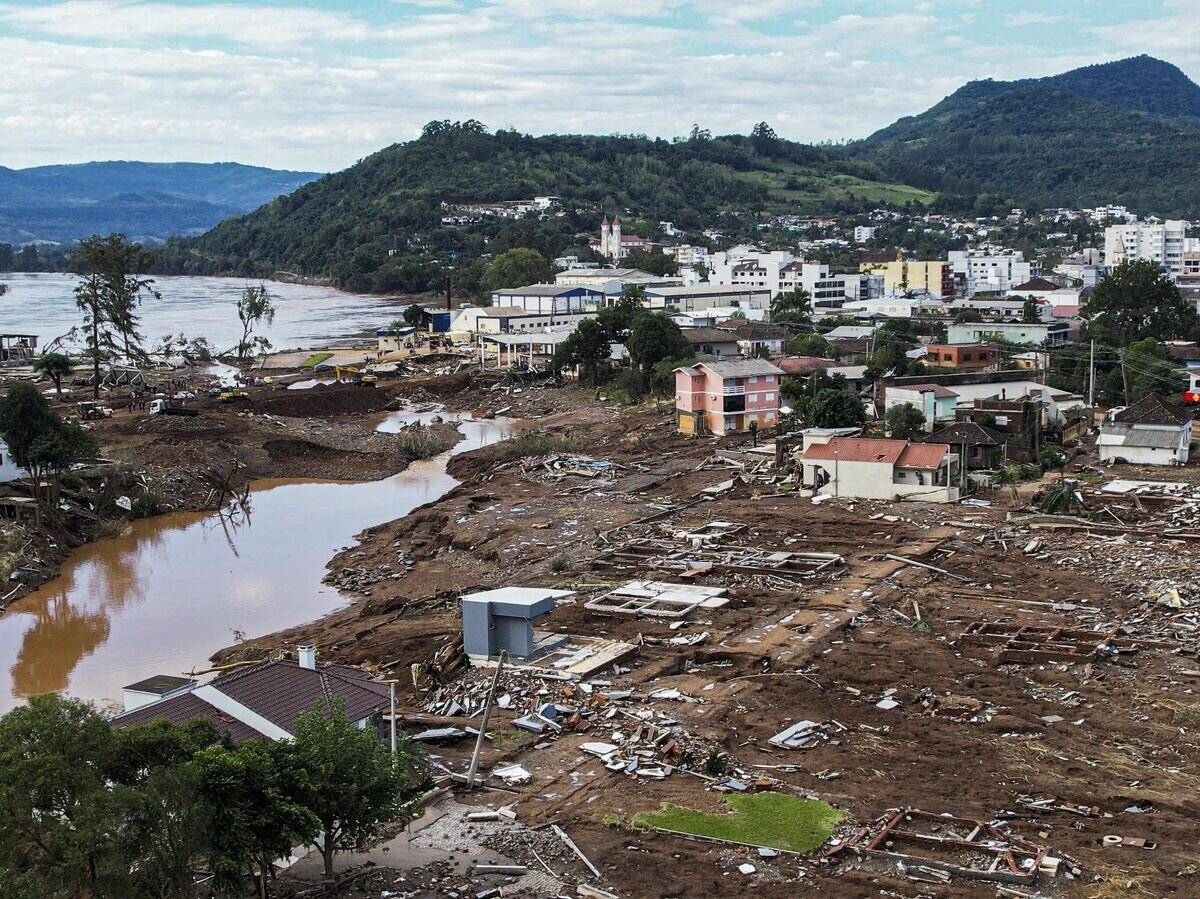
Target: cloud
(317,87)
(122,21)
(1031,17)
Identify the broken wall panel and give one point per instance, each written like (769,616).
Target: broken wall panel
(657,599)
(962,846)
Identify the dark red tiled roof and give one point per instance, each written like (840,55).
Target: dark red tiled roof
(183,708)
(280,691)
(1154,410)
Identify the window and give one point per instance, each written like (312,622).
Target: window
(754,379)
(770,397)
(753,397)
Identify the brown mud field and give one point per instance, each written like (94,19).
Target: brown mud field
(967,730)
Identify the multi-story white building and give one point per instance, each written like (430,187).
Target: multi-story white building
(863,233)
(780,272)
(993,272)
(1163,242)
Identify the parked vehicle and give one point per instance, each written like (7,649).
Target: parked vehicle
(164,407)
(230,394)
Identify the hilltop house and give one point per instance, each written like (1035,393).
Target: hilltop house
(864,468)
(1150,432)
(722,397)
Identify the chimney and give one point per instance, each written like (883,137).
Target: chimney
(308,656)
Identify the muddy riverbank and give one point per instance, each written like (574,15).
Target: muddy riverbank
(165,592)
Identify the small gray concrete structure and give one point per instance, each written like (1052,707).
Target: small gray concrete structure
(503,619)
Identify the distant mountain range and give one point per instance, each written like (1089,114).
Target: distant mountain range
(147,201)
(1121,132)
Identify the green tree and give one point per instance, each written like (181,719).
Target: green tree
(662,379)
(587,347)
(38,440)
(254,307)
(904,421)
(654,337)
(61,822)
(792,305)
(1136,300)
(250,811)
(1030,313)
(655,263)
(54,366)
(617,319)
(967,316)
(111,290)
(350,780)
(416,316)
(836,408)
(812,345)
(1150,369)
(517,267)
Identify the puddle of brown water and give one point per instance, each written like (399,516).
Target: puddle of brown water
(167,592)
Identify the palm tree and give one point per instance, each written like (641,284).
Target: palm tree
(1010,476)
(795,303)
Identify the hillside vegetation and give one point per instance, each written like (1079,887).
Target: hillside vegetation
(1124,132)
(377,225)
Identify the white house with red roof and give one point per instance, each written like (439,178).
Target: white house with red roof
(864,468)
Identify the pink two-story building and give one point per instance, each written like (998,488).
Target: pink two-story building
(722,397)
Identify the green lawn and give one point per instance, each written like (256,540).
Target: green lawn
(817,187)
(774,820)
(315,359)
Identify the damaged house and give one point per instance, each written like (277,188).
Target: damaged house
(864,468)
(1150,432)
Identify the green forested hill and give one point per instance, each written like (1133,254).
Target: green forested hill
(1124,132)
(377,225)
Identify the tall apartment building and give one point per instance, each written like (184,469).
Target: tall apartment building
(993,272)
(781,272)
(1163,242)
(933,278)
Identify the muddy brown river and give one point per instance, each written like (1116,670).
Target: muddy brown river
(167,592)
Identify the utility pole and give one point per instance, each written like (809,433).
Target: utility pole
(1092,377)
(487,716)
(1124,379)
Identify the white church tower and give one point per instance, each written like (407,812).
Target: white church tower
(610,238)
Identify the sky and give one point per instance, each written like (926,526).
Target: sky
(318,84)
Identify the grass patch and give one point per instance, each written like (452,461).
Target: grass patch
(775,820)
(417,441)
(315,359)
